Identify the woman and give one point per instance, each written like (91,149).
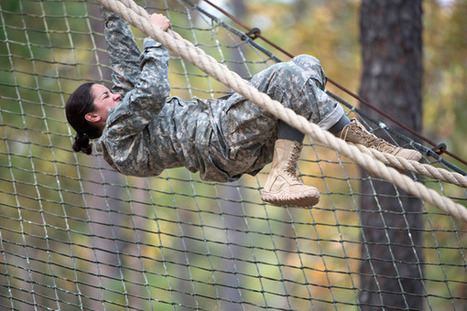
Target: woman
(141,131)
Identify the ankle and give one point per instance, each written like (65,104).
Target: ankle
(339,125)
(289,133)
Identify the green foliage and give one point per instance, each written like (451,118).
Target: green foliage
(444,80)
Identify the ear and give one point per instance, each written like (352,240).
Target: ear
(92,117)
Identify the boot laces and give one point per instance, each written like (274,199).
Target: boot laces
(291,164)
(369,140)
(381,145)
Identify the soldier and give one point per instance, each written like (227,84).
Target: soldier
(141,131)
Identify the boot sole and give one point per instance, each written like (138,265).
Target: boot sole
(279,199)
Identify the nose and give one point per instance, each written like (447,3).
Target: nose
(117,97)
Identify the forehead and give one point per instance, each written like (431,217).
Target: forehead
(99,88)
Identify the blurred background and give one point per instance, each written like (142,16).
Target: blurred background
(76,235)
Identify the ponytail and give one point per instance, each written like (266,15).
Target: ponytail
(82,143)
(78,105)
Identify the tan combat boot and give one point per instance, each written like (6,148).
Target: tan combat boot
(356,133)
(283,186)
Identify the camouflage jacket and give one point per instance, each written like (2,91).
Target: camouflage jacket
(222,139)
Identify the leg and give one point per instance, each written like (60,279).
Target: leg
(298,85)
(306,84)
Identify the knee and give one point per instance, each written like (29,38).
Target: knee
(312,66)
(307,60)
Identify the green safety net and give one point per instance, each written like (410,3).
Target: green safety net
(77,235)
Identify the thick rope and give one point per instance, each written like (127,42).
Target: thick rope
(138,17)
(403,164)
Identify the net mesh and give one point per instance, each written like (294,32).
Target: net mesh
(76,235)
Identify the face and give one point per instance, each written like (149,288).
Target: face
(103,101)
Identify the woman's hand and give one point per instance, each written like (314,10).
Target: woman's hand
(160,21)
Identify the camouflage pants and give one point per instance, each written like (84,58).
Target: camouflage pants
(249,132)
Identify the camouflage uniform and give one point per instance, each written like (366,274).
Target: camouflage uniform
(222,138)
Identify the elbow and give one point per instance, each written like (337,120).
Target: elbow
(159,94)
(153,86)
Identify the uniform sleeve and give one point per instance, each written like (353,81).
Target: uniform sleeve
(151,87)
(123,52)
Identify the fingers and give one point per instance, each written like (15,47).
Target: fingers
(160,21)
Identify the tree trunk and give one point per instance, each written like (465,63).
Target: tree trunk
(392,265)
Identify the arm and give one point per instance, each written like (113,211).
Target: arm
(123,52)
(126,137)
(150,78)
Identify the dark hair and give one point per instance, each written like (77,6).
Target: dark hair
(77,106)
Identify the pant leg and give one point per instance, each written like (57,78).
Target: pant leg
(299,85)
